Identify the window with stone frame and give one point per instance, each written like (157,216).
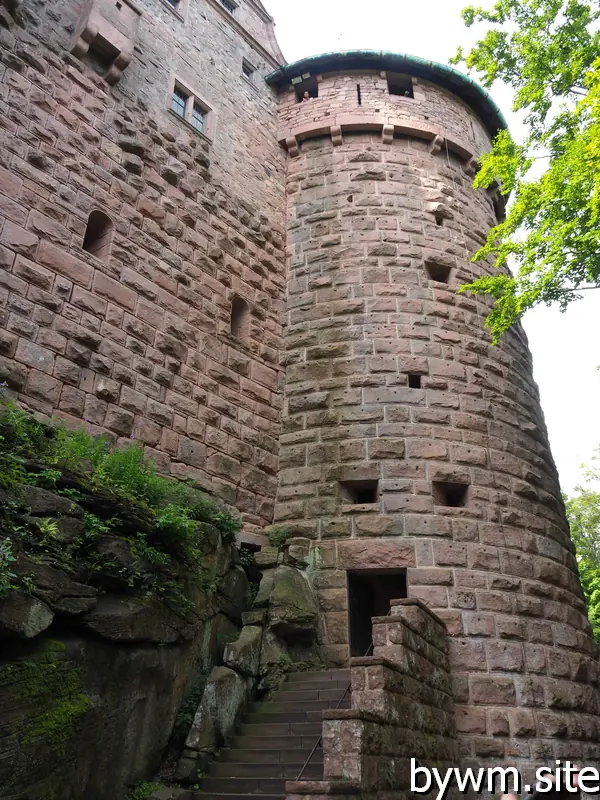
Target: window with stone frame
(229,6)
(178,6)
(247,69)
(186,105)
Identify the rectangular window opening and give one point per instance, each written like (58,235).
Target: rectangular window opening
(198,119)
(453,495)
(359,94)
(307,89)
(174,4)
(358,493)
(414,381)
(186,105)
(438,272)
(247,69)
(229,6)
(400,85)
(179,102)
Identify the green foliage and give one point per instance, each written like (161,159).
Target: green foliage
(547,52)
(7,558)
(583,511)
(52,689)
(144,790)
(163,521)
(277,536)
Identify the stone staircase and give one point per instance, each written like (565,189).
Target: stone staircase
(275,739)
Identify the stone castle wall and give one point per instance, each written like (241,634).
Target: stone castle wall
(363,316)
(139,345)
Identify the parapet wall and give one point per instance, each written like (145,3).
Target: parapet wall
(402,708)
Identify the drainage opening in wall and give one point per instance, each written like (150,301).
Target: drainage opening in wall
(454,495)
(369,594)
(359,492)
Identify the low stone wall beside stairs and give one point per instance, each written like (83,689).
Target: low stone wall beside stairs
(402,708)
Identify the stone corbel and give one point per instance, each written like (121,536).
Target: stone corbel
(387,134)
(436,145)
(336,135)
(109,28)
(292,146)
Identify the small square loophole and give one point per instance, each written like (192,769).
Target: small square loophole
(414,381)
(453,495)
(358,493)
(438,272)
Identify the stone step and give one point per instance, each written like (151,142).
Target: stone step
(265,728)
(283,717)
(300,695)
(272,755)
(243,769)
(193,795)
(242,785)
(312,686)
(297,706)
(270,743)
(326,675)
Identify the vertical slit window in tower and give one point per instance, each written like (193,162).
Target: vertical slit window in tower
(240,319)
(98,235)
(359,94)
(179,102)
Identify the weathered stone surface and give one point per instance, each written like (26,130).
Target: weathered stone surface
(225,696)
(293,610)
(23,615)
(122,620)
(243,655)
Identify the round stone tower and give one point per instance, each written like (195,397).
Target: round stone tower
(414,454)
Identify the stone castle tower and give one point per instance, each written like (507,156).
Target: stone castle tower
(251,267)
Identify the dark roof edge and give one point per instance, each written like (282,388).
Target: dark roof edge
(461,85)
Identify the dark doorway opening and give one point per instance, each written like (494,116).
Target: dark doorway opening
(369,595)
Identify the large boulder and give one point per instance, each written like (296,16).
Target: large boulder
(124,619)
(22,615)
(225,697)
(243,655)
(293,608)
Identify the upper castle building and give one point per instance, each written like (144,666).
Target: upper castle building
(251,267)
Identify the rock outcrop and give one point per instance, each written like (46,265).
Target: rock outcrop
(281,634)
(93,670)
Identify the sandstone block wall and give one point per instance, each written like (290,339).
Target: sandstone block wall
(139,344)
(390,379)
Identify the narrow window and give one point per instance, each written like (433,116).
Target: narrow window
(306,89)
(247,69)
(453,495)
(175,4)
(229,6)
(439,219)
(198,119)
(400,85)
(359,492)
(179,102)
(414,381)
(359,94)
(240,319)
(98,235)
(438,272)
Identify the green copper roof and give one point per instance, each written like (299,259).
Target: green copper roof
(461,85)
